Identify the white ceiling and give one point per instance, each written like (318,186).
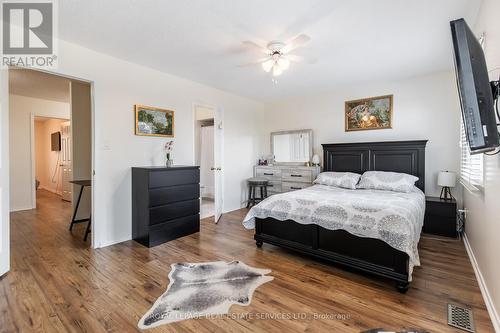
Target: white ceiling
(354,41)
(37,84)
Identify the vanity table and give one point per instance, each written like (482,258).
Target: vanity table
(292,150)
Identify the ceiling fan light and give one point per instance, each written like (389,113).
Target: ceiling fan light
(277,71)
(284,63)
(268,65)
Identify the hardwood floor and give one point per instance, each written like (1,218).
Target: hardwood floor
(58,284)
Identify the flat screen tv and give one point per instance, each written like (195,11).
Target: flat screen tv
(475,90)
(55,139)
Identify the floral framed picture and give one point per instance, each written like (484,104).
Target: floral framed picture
(151,121)
(368,113)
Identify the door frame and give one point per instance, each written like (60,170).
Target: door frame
(33,115)
(219,126)
(215,109)
(93,150)
(4,173)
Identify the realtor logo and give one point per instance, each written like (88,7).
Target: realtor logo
(28,33)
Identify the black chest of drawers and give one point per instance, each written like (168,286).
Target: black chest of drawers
(165,203)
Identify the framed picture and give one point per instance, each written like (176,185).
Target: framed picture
(368,113)
(152,121)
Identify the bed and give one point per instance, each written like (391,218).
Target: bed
(380,251)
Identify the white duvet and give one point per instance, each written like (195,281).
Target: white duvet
(393,217)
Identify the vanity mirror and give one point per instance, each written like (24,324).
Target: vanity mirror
(292,147)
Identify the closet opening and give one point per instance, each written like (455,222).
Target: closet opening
(208,155)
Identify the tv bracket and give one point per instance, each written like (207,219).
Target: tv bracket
(495,90)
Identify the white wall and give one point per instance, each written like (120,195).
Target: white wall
(425,107)
(47,169)
(4,173)
(118,85)
(483,221)
(21,108)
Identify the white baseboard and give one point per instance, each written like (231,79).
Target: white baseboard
(495,319)
(49,189)
(110,242)
(18,209)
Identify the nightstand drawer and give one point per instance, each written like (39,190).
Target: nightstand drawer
(439,225)
(441,209)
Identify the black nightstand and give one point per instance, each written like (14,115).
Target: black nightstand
(440,217)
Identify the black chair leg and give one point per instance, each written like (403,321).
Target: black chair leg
(253,196)
(249,196)
(265,191)
(76,208)
(87,231)
(261,193)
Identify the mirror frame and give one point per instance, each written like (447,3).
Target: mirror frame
(308,131)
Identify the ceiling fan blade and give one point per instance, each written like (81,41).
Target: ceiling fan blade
(296,58)
(254,63)
(295,43)
(255,47)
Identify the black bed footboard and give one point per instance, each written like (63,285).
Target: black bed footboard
(338,246)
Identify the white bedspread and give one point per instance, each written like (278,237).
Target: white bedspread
(393,217)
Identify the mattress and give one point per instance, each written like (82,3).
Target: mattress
(393,217)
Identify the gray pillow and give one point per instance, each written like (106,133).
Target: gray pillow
(389,181)
(338,179)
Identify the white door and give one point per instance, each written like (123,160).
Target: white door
(218,162)
(66,164)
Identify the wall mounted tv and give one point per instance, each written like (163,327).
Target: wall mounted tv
(55,140)
(477,95)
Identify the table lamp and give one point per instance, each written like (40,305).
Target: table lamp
(447,180)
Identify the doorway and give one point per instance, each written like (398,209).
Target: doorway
(48,156)
(50,146)
(208,155)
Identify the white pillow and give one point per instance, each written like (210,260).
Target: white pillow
(338,179)
(390,181)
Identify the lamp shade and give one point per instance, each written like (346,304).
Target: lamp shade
(315,159)
(447,178)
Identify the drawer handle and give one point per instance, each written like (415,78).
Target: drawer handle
(268,174)
(270,185)
(296,175)
(296,188)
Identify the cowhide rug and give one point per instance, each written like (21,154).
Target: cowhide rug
(203,289)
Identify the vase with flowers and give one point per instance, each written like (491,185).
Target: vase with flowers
(169,146)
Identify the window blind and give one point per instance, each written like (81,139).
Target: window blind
(471,166)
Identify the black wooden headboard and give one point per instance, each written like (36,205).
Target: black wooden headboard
(396,156)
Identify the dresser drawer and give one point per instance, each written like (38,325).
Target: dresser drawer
(268,173)
(297,176)
(164,232)
(173,177)
(166,195)
(289,186)
(274,186)
(172,211)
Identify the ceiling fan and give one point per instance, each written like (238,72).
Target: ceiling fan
(278,54)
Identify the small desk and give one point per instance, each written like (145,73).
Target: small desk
(83,184)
